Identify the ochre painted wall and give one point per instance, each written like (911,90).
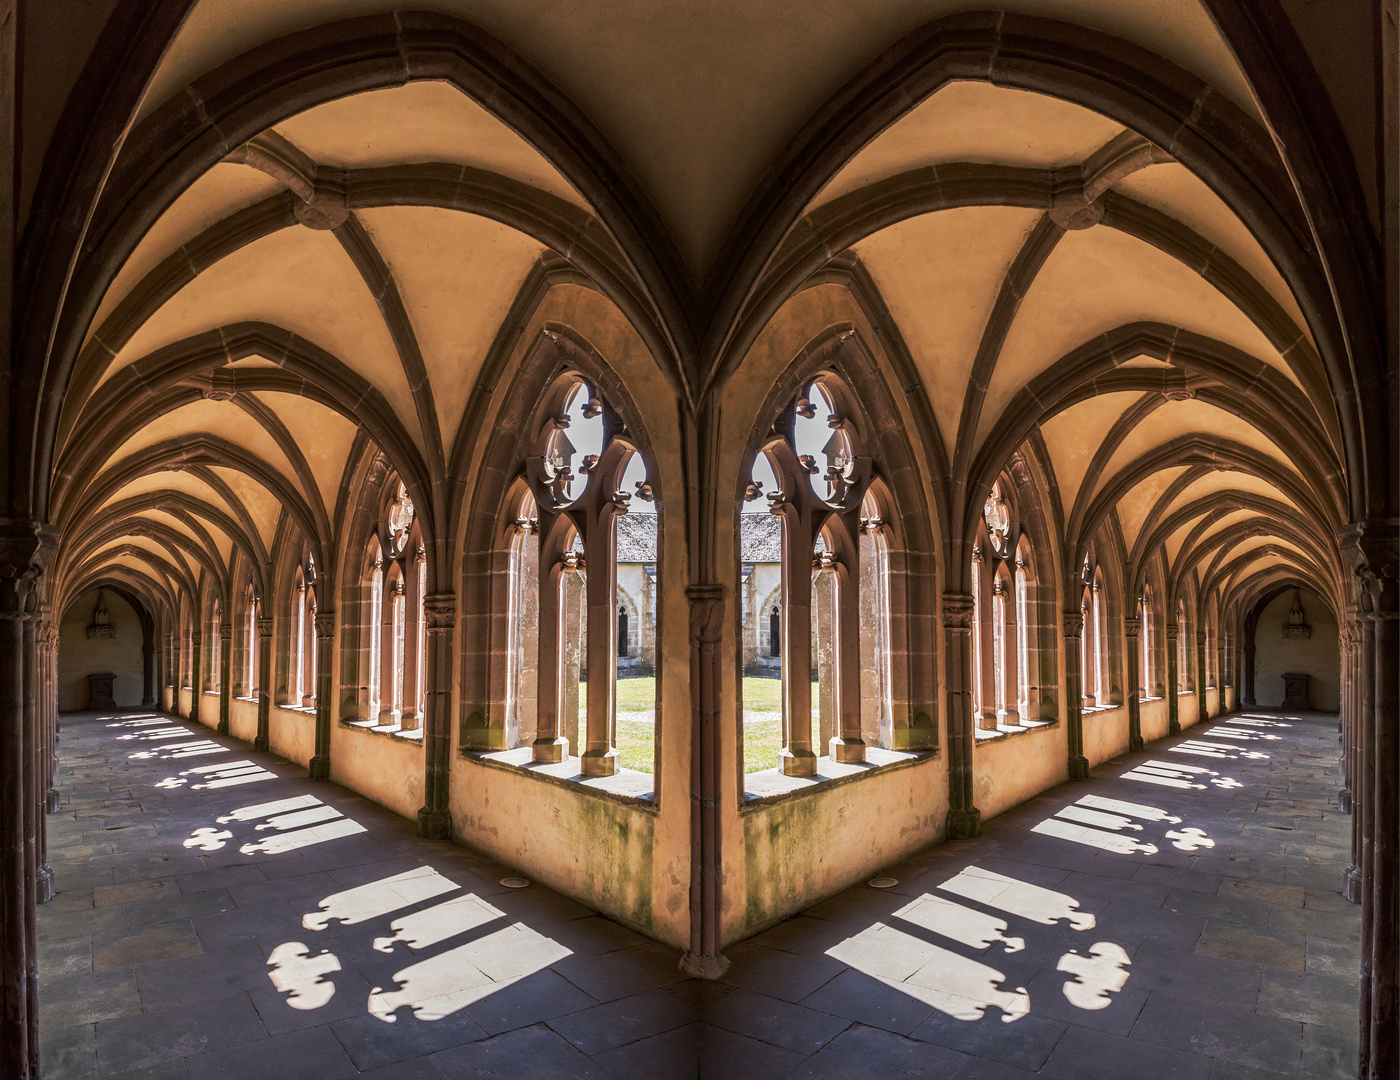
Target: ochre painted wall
(1007,772)
(79,656)
(1105,734)
(801,849)
(1317,656)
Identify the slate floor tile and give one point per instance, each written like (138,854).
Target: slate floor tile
(532,1053)
(1026,1042)
(781,1023)
(621,973)
(616,1023)
(1083,1054)
(865,1053)
(779,974)
(372,1042)
(304,1055)
(1261,1042)
(874,1002)
(197,1026)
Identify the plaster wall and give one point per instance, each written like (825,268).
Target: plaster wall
(80,656)
(1317,656)
(183,704)
(1105,734)
(617,855)
(243,719)
(1154,719)
(209,709)
(799,849)
(386,770)
(292,735)
(1187,711)
(1007,772)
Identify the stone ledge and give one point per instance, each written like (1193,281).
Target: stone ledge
(981,736)
(393,731)
(634,789)
(1099,709)
(770,786)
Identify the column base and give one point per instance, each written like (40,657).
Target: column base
(598,762)
(148,703)
(434,824)
(1136,743)
(44,887)
(1351,884)
(261,743)
(222,729)
(319,768)
(51,802)
(848,751)
(1174,727)
(698,966)
(1344,801)
(549,751)
(964,824)
(797,763)
(1078,768)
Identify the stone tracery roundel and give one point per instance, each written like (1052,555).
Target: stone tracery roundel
(401,515)
(997,515)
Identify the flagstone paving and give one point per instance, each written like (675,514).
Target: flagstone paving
(1176,916)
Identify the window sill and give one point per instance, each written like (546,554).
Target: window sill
(394,731)
(765,788)
(1002,732)
(1097,709)
(626,785)
(253,698)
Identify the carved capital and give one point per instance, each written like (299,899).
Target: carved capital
(957,611)
(1073,624)
(1200,637)
(265,627)
(1373,549)
(325,625)
(1171,629)
(440,609)
(226,631)
(26,548)
(1132,627)
(706,614)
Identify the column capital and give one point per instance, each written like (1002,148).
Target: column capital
(706,614)
(225,631)
(1372,547)
(957,611)
(1073,623)
(265,626)
(325,624)
(27,546)
(440,611)
(1171,628)
(1132,626)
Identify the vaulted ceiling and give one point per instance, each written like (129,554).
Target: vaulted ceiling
(355,275)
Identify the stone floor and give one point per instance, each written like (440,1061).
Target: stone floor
(1177,916)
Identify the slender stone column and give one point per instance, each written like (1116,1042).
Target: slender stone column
(1202,709)
(264,737)
(320,765)
(225,660)
(1073,628)
(26,546)
(704,959)
(148,673)
(847,745)
(1247,680)
(435,818)
(964,819)
(1173,681)
(1131,629)
(798,757)
(550,746)
(196,668)
(50,657)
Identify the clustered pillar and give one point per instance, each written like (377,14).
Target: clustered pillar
(1073,629)
(1173,680)
(1132,627)
(1373,549)
(964,819)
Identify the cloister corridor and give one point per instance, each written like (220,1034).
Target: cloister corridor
(220,915)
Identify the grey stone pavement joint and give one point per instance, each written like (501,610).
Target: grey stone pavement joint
(1176,916)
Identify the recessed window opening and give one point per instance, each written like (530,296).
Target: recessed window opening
(1002,659)
(583,558)
(815,600)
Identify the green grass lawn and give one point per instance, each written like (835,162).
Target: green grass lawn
(636,736)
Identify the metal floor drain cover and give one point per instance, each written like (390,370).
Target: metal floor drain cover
(882,882)
(515,882)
